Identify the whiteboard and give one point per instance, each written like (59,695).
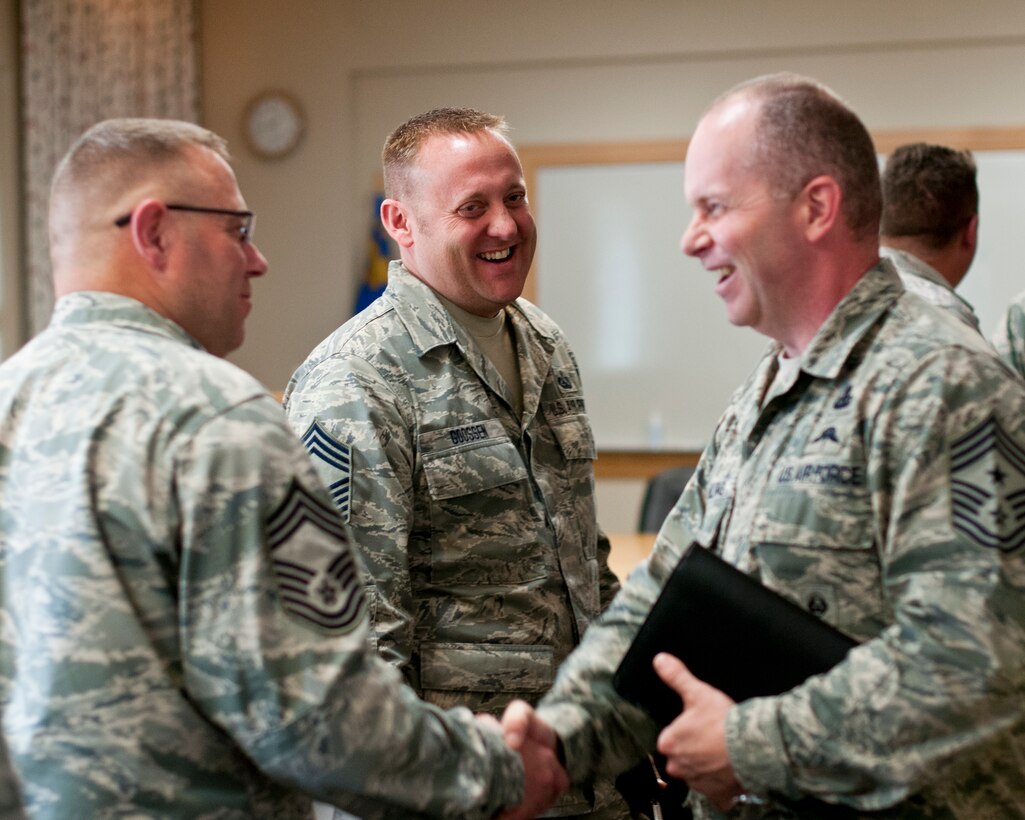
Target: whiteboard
(658,358)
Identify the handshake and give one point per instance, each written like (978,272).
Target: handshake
(694,744)
(544,777)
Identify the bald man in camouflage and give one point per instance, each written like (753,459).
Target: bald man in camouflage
(871,470)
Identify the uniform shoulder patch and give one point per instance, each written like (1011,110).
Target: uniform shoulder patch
(323,446)
(988,487)
(317,575)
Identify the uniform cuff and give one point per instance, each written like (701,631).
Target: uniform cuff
(754,743)
(571,725)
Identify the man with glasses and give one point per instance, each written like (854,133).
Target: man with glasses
(184,628)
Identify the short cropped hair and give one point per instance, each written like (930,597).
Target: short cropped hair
(402,147)
(805,130)
(119,151)
(929,192)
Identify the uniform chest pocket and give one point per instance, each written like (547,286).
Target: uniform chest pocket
(476,459)
(814,538)
(485,527)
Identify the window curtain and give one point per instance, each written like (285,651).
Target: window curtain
(83,61)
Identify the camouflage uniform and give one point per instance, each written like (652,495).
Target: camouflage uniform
(478,527)
(1009,337)
(184,630)
(881,489)
(924,280)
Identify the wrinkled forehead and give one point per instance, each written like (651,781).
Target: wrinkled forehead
(465,163)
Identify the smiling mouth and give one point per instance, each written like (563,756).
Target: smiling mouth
(497,256)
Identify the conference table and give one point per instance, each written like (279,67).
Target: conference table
(628,548)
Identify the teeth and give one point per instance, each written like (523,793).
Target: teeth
(497,256)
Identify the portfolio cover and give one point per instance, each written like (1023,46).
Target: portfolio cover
(731,631)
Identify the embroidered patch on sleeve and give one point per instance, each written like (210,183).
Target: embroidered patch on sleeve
(331,451)
(317,575)
(988,488)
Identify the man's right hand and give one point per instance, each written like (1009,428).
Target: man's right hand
(537,743)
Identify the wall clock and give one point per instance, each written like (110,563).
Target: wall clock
(273,124)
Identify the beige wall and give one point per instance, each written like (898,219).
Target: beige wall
(573,70)
(567,71)
(306,224)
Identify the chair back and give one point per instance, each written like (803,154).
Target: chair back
(661,495)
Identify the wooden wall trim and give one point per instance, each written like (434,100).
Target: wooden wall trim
(641,463)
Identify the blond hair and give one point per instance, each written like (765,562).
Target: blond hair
(403,146)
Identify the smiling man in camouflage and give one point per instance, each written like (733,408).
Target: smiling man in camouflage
(448,419)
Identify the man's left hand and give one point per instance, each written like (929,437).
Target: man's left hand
(695,743)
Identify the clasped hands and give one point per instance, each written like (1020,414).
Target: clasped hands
(694,745)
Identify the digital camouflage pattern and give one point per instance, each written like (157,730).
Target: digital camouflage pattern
(925,281)
(184,629)
(1009,336)
(882,490)
(479,528)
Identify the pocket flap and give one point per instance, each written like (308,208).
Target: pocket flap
(486,667)
(471,466)
(575,437)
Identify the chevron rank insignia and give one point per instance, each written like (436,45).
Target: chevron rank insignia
(338,456)
(988,488)
(318,578)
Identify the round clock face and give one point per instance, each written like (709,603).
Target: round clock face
(273,124)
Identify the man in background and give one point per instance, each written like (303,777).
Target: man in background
(930,222)
(184,627)
(448,420)
(869,471)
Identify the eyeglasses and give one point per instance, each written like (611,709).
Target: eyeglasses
(245,230)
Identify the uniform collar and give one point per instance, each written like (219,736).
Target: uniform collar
(429,324)
(917,266)
(873,295)
(91,306)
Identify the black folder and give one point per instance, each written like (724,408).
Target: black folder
(731,631)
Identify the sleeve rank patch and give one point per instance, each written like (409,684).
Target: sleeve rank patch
(988,488)
(317,575)
(331,451)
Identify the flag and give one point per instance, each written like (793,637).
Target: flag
(379,252)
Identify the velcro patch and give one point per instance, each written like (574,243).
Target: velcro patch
(317,575)
(988,488)
(566,379)
(331,451)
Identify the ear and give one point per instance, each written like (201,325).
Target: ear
(820,200)
(396,220)
(970,234)
(149,228)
